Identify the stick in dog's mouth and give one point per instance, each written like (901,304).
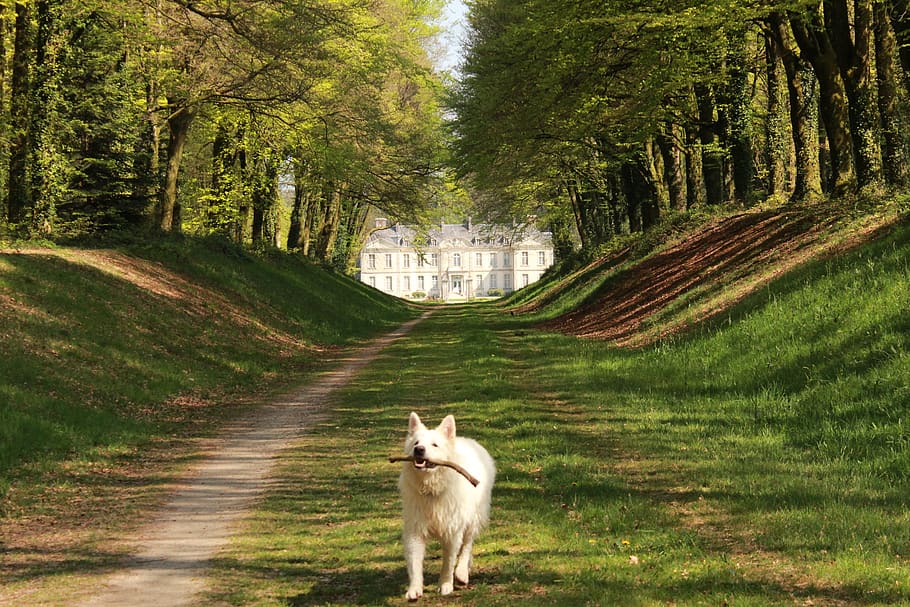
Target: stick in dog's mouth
(423,464)
(426,464)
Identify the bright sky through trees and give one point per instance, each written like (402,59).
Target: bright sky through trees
(452,39)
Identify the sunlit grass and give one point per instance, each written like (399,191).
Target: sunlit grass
(94,357)
(762,460)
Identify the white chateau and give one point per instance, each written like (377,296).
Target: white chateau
(454,262)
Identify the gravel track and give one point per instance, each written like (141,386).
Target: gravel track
(173,551)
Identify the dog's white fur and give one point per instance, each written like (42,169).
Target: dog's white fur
(440,503)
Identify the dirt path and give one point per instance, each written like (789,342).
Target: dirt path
(173,551)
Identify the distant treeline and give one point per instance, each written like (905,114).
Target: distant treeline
(187,115)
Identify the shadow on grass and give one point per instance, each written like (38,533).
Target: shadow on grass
(602,454)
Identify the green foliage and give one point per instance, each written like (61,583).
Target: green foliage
(610,114)
(344,88)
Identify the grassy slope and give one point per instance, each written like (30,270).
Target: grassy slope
(761,459)
(642,292)
(98,342)
(112,358)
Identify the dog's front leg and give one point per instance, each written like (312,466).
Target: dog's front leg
(463,566)
(450,549)
(414,549)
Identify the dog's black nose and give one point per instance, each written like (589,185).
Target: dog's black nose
(420,451)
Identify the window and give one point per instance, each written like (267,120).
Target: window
(456,260)
(388,260)
(388,284)
(524,259)
(492,260)
(407,283)
(506,260)
(435,281)
(434,259)
(421,259)
(524,280)
(373,281)
(542,258)
(420,283)
(478,259)
(371,262)
(406,260)
(507,281)
(492,281)
(479,282)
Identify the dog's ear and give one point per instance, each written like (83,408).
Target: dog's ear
(447,427)
(414,423)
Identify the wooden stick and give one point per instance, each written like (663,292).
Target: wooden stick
(410,458)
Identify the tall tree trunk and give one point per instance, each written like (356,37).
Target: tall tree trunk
(668,141)
(42,146)
(777,148)
(147,154)
(577,212)
(243,212)
(5,15)
(311,221)
(298,210)
(223,158)
(743,167)
(178,124)
(900,21)
(641,192)
(894,151)
(855,52)
(148,151)
(19,197)
(592,211)
(695,181)
(619,210)
(816,47)
(712,154)
(258,223)
(265,197)
(330,224)
(802,87)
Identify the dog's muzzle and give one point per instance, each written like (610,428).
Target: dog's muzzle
(419,459)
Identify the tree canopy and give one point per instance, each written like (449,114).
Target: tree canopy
(288,122)
(204,115)
(614,113)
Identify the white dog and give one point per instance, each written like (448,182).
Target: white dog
(440,503)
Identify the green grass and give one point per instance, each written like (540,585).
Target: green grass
(763,459)
(104,357)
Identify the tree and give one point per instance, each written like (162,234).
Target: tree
(854,47)
(894,154)
(18,198)
(803,104)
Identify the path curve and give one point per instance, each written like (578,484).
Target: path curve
(174,550)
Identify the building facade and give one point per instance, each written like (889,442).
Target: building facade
(454,262)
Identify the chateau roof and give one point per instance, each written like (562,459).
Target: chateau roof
(458,235)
